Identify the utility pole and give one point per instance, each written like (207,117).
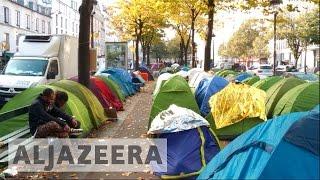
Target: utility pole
(275,3)
(84,38)
(274,41)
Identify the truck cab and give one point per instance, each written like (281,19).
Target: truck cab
(40,60)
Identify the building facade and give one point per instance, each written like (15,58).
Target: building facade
(65,17)
(66,20)
(285,56)
(46,17)
(22,17)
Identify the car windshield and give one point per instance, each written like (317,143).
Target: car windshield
(265,67)
(26,67)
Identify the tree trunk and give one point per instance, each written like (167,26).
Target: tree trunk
(192,40)
(186,55)
(136,66)
(207,50)
(181,54)
(84,39)
(144,52)
(305,58)
(148,55)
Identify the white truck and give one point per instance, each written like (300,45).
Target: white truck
(39,60)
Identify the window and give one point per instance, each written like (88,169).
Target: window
(6,15)
(49,28)
(43,26)
(73,27)
(37,24)
(66,24)
(56,30)
(18,18)
(61,22)
(53,68)
(56,19)
(28,21)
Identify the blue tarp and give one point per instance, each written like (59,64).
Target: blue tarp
(207,88)
(243,76)
(263,153)
(123,78)
(184,157)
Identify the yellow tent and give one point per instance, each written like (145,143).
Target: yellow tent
(237,102)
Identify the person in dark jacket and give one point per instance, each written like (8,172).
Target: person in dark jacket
(46,120)
(61,99)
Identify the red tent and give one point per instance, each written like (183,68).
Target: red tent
(104,94)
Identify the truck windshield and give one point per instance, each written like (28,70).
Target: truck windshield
(26,67)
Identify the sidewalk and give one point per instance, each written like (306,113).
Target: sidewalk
(132,123)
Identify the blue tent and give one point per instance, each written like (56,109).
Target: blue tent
(286,147)
(243,76)
(123,78)
(207,88)
(191,144)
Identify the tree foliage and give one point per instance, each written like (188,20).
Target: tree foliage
(248,42)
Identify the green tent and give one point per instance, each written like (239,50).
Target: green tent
(267,83)
(96,111)
(173,91)
(251,80)
(74,107)
(225,73)
(114,87)
(278,90)
(302,98)
(234,130)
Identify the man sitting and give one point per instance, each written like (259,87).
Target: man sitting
(46,120)
(61,99)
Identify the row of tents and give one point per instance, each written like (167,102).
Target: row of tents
(107,91)
(227,109)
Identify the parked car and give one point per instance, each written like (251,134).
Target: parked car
(263,70)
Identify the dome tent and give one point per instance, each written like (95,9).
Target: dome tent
(123,78)
(113,86)
(103,93)
(207,88)
(192,72)
(277,91)
(251,80)
(144,69)
(96,111)
(242,76)
(180,126)
(260,153)
(160,81)
(235,109)
(267,83)
(301,98)
(73,107)
(196,79)
(174,91)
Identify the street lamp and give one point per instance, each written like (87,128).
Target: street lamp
(213,36)
(275,13)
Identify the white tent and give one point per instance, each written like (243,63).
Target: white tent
(195,80)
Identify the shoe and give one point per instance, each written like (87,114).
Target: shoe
(75,132)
